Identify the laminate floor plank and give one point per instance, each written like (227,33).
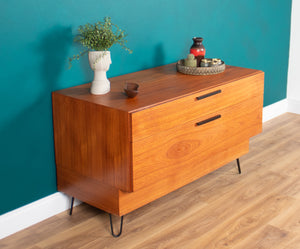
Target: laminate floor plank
(219,212)
(258,209)
(289,220)
(266,238)
(240,226)
(77,236)
(156,219)
(50,227)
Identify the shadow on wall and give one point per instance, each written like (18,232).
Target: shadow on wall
(158,59)
(54,47)
(85,66)
(159,55)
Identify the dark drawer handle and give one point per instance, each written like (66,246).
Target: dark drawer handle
(208,120)
(208,95)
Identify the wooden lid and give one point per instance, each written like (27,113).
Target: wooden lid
(156,86)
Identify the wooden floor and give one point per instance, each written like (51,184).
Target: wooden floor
(258,209)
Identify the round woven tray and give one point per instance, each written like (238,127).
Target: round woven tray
(199,70)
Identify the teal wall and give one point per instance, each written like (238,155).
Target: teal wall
(36,39)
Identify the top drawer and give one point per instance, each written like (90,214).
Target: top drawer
(168,115)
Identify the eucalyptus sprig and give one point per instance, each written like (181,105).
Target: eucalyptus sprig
(99,36)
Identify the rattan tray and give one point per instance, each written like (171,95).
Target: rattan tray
(199,70)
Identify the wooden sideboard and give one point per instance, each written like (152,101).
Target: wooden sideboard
(118,154)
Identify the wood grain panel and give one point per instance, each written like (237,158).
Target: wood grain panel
(161,155)
(228,151)
(109,150)
(92,140)
(166,116)
(95,193)
(70,133)
(157,86)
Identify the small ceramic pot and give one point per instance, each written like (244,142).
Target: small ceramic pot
(131,89)
(205,63)
(216,61)
(190,61)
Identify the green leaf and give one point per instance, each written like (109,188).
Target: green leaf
(100,36)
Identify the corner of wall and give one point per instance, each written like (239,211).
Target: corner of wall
(274,110)
(293,86)
(294,105)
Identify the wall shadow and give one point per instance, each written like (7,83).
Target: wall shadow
(159,56)
(53,48)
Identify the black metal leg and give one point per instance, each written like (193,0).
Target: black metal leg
(71,208)
(238,164)
(111,227)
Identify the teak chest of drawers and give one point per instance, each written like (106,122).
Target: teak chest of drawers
(118,154)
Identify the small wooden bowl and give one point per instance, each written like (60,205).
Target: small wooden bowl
(131,89)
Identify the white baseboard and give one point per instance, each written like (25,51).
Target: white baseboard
(42,209)
(274,110)
(33,213)
(294,105)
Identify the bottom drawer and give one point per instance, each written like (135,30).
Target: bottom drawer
(115,201)
(182,150)
(133,200)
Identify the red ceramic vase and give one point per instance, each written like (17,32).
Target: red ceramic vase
(198,49)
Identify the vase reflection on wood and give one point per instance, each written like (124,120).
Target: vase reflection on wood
(198,49)
(100,62)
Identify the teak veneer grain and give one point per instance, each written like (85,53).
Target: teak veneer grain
(119,154)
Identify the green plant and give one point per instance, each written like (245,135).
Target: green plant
(99,36)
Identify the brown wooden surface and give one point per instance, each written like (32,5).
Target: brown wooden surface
(157,86)
(171,114)
(88,190)
(177,150)
(141,149)
(92,140)
(258,209)
(228,151)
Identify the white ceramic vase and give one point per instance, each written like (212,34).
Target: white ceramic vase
(100,62)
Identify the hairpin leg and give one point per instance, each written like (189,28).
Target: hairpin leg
(71,208)
(111,227)
(238,164)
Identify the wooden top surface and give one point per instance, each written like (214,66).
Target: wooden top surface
(156,86)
